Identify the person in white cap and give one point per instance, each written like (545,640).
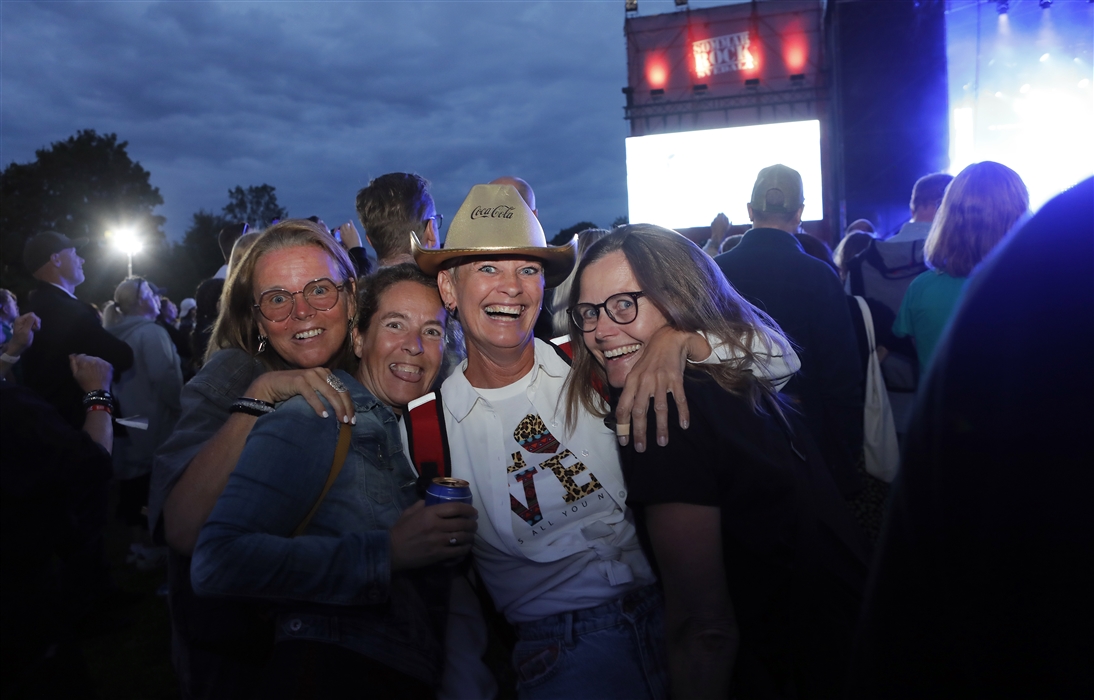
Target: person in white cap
(556,546)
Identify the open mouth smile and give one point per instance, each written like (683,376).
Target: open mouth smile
(408,373)
(504,311)
(616,353)
(304,335)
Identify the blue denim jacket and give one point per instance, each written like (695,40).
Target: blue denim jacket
(333,583)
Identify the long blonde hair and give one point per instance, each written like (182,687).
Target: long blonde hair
(693,295)
(236,325)
(977,210)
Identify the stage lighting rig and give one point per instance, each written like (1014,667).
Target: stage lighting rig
(1045,4)
(1001,6)
(631,6)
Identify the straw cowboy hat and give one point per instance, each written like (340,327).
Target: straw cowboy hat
(494,220)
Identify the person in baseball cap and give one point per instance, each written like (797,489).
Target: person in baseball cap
(778,190)
(40,249)
(69,326)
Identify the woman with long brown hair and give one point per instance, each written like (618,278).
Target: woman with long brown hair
(760,561)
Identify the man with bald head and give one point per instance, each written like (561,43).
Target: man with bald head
(522,187)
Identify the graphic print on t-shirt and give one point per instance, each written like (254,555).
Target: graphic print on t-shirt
(542,502)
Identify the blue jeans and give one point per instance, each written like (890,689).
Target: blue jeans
(615,650)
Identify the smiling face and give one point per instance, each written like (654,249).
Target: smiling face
(498,300)
(617,347)
(402,350)
(307,338)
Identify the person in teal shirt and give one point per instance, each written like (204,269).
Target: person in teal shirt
(981,204)
(926,308)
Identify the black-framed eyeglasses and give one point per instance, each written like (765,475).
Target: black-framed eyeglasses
(278,304)
(621,308)
(438,222)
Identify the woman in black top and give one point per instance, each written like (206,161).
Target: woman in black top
(759,557)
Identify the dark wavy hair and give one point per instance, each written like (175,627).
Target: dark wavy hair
(378,283)
(693,295)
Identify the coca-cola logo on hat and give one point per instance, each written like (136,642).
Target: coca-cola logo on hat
(499,212)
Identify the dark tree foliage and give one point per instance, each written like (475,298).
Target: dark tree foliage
(620,221)
(82,187)
(257,205)
(567,233)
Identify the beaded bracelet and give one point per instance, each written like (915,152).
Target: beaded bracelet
(252,407)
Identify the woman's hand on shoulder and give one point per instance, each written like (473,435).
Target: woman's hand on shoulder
(274,387)
(427,535)
(658,373)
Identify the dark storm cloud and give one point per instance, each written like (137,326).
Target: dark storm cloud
(317,98)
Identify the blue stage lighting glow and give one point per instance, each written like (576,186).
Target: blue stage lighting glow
(1020,91)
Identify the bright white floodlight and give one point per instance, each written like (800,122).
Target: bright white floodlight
(126,241)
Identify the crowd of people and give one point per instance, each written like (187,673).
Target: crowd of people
(744,468)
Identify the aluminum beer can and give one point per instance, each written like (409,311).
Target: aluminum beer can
(445,489)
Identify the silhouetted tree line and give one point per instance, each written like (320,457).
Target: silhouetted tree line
(86,185)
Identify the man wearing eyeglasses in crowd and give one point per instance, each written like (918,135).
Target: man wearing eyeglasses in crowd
(390,208)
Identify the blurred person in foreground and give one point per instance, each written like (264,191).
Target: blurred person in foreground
(981,586)
(357,610)
(979,207)
(220,647)
(556,546)
(759,557)
(53,481)
(150,389)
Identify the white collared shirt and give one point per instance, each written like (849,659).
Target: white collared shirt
(581,563)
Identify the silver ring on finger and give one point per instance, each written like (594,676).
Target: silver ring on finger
(336,384)
(452,542)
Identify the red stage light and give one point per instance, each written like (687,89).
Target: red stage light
(657,71)
(794,53)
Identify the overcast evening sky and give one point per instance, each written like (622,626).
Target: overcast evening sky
(317,98)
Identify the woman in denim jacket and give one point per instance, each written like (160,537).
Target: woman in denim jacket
(356,611)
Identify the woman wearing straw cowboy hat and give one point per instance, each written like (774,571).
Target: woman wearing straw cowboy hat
(556,545)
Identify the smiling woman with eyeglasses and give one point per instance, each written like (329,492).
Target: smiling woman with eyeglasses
(268,345)
(760,560)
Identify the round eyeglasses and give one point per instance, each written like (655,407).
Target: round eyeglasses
(621,308)
(278,304)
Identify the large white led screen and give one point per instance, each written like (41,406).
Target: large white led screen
(684,179)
